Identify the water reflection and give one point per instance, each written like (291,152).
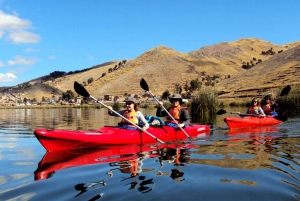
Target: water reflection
(128,160)
(260,164)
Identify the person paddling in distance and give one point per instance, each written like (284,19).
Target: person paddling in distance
(132,114)
(266,106)
(269,107)
(179,113)
(255,108)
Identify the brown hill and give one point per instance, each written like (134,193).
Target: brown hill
(244,65)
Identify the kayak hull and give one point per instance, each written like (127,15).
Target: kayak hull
(109,136)
(250,121)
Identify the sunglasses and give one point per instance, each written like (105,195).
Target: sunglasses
(254,101)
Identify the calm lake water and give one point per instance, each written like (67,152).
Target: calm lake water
(257,164)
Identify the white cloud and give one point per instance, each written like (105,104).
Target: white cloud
(91,58)
(51,58)
(23,37)
(17,71)
(31,50)
(17,29)
(19,60)
(2,64)
(8,77)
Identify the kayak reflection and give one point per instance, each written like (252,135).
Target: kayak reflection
(262,138)
(128,160)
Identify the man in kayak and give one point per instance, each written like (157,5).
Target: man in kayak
(255,108)
(178,112)
(132,115)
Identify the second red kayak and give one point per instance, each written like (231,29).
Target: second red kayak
(250,121)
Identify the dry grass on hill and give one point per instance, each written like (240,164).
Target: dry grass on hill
(163,67)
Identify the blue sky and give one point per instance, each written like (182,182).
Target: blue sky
(38,37)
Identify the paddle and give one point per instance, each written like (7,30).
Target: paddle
(285,90)
(83,92)
(221,111)
(144,86)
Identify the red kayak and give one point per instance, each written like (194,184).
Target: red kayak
(250,121)
(109,136)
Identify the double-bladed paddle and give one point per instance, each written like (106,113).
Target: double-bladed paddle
(285,90)
(83,92)
(144,86)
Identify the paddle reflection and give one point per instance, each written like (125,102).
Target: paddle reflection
(128,160)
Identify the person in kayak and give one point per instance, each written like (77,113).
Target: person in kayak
(266,106)
(132,114)
(178,112)
(269,107)
(255,108)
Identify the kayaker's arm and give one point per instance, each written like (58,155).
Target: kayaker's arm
(142,120)
(261,112)
(111,113)
(184,117)
(161,113)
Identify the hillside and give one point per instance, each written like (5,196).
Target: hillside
(245,65)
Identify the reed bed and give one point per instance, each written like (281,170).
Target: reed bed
(290,104)
(203,108)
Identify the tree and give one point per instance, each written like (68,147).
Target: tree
(195,84)
(178,89)
(166,94)
(186,86)
(68,95)
(90,80)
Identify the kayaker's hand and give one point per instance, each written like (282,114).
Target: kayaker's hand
(109,108)
(160,104)
(181,125)
(144,128)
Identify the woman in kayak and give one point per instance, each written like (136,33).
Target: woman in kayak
(132,114)
(178,112)
(269,106)
(255,108)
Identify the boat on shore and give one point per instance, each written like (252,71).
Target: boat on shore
(54,139)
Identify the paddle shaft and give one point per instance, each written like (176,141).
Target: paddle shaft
(243,114)
(126,119)
(169,114)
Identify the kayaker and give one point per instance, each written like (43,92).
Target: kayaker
(132,114)
(178,112)
(255,108)
(269,107)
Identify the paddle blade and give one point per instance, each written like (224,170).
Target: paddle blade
(220,112)
(81,90)
(281,118)
(285,90)
(144,85)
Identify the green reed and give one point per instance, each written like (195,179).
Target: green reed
(290,104)
(204,106)
(116,106)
